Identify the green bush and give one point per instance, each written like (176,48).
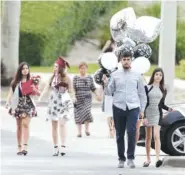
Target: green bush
(182,65)
(48,29)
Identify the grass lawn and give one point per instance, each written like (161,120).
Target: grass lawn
(93,67)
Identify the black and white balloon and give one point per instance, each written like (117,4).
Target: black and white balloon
(98,75)
(142,50)
(120,51)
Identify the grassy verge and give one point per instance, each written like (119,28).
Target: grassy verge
(93,67)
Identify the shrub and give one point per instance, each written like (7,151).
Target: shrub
(48,29)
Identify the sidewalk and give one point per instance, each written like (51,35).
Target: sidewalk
(94,155)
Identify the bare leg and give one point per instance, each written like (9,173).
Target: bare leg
(19,133)
(63,132)
(87,128)
(25,128)
(109,122)
(55,137)
(55,132)
(148,142)
(137,130)
(63,136)
(157,141)
(79,127)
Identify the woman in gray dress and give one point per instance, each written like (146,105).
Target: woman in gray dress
(83,86)
(156,93)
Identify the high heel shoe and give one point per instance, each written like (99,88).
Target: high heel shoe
(158,163)
(19,152)
(63,151)
(25,152)
(87,133)
(56,151)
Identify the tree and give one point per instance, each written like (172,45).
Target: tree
(10,22)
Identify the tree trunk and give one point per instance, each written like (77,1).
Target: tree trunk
(10,20)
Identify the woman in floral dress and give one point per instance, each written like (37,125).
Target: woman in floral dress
(22,106)
(60,107)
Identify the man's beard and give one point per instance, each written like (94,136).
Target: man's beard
(126,67)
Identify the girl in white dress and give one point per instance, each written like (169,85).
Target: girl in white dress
(60,107)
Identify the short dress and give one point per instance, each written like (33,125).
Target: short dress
(152,112)
(25,106)
(60,103)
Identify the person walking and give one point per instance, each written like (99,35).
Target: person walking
(83,86)
(21,105)
(129,101)
(156,93)
(60,106)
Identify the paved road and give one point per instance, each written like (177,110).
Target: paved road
(94,155)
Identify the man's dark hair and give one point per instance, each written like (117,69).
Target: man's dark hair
(124,54)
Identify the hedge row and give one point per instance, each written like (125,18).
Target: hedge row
(49,28)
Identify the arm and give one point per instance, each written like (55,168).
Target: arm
(142,94)
(111,86)
(163,106)
(44,91)
(106,45)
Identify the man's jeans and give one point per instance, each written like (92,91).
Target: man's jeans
(125,120)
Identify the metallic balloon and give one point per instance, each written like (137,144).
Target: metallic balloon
(98,76)
(142,50)
(126,41)
(146,29)
(121,21)
(119,51)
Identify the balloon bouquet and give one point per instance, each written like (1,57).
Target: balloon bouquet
(130,34)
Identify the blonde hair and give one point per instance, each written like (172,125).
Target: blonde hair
(83,64)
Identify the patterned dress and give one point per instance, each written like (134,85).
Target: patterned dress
(25,106)
(152,111)
(60,103)
(83,87)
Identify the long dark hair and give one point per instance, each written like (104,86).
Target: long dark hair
(162,87)
(18,75)
(61,73)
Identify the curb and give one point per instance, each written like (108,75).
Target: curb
(176,162)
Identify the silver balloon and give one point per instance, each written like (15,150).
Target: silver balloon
(146,29)
(125,41)
(142,50)
(121,21)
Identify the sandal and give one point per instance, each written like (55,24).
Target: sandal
(56,153)
(158,163)
(25,152)
(63,151)
(19,152)
(146,164)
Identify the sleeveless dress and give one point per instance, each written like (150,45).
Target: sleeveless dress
(22,105)
(60,103)
(152,112)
